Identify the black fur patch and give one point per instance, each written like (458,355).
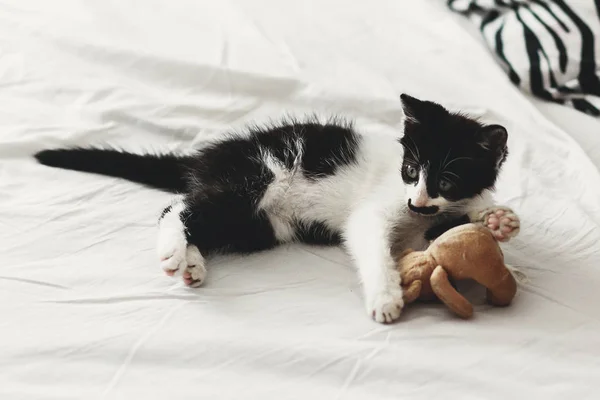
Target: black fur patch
(230,166)
(164,212)
(317,233)
(227,223)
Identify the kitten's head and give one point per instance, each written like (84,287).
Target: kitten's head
(449,158)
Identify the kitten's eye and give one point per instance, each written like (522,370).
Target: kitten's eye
(444,185)
(412,172)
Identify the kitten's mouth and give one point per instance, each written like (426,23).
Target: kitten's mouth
(431,210)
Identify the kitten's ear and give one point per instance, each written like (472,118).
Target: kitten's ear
(411,106)
(493,138)
(421,111)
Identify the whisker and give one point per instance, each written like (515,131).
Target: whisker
(455,207)
(457,159)
(443,164)
(452,174)
(416,148)
(413,153)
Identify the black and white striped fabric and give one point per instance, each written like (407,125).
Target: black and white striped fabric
(550,48)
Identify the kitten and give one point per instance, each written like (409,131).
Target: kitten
(320,183)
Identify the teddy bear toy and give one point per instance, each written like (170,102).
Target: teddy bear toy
(467,251)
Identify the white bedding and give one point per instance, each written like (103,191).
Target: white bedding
(85,311)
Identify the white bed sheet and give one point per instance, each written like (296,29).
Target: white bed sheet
(86,313)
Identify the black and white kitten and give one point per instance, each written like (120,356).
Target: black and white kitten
(320,183)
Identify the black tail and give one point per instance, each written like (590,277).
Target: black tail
(165,172)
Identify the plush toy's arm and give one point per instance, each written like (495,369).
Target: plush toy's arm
(437,230)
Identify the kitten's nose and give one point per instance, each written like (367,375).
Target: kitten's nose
(419,197)
(419,201)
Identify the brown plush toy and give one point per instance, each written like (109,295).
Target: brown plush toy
(468,251)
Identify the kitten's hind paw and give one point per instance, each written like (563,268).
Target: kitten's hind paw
(172,258)
(195,271)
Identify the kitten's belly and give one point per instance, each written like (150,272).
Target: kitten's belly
(288,202)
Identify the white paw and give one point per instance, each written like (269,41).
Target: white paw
(195,271)
(172,242)
(502,221)
(172,253)
(386,306)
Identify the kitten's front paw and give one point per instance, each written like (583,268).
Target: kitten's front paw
(386,306)
(502,221)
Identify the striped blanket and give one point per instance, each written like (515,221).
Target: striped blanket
(550,48)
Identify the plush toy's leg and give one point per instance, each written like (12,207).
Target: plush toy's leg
(448,295)
(412,292)
(502,290)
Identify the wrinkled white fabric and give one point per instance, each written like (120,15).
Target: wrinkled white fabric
(85,311)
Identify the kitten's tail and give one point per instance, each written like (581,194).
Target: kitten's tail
(166,172)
